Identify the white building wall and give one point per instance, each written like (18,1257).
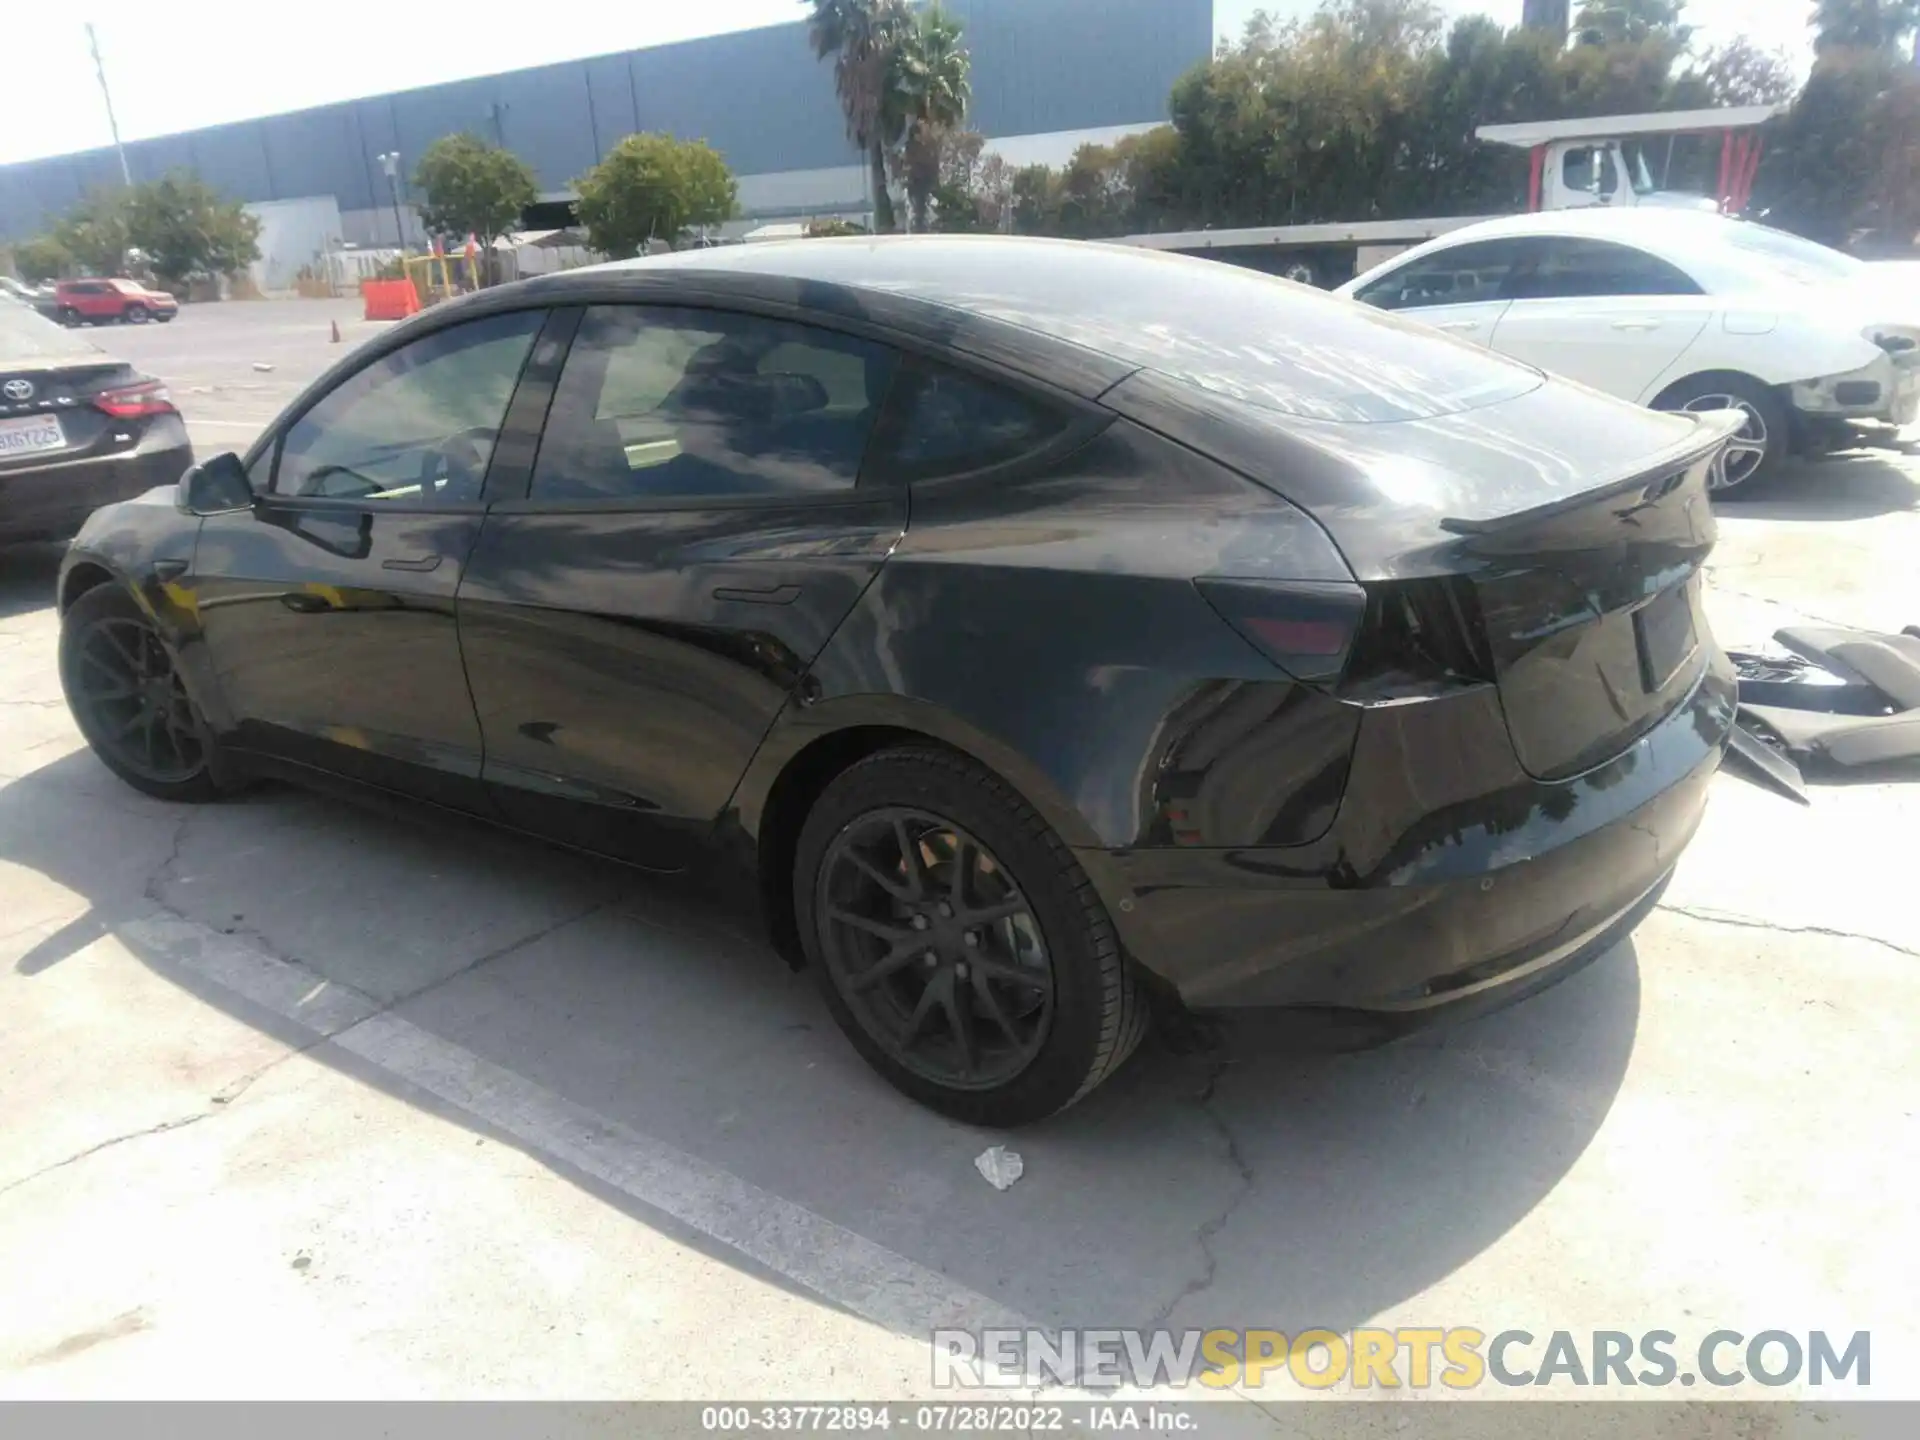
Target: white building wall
(293,234)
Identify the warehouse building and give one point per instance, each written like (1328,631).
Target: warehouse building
(1046,74)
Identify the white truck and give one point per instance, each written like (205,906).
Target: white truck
(1602,160)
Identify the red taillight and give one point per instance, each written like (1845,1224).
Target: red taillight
(1306,627)
(129,402)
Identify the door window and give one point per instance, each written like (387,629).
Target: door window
(1456,275)
(418,425)
(952,422)
(658,403)
(1563,266)
(1590,170)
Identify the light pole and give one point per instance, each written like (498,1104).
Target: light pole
(390,162)
(100,69)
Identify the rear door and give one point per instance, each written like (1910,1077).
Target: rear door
(694,529)
(327,607)
(1608,315)
(1458,288)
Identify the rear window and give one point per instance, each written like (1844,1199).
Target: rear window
(1263,341)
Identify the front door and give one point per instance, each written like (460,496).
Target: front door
(327,608)
(693,533)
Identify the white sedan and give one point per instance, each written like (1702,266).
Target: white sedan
(1680,311)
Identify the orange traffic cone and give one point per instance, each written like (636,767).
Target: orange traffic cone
(335,338)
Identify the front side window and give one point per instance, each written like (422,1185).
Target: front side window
(417,426)
(1590,169)
(1457,275)
(1564,266)
(658,403)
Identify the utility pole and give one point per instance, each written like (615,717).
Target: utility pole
(93,44)
(390,162)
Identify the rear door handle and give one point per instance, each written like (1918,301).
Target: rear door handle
(164,570)
(1460,325)
(772,595)
(418,564)
(1636,324)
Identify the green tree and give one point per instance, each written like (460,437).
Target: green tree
(928,89)
(1741,73)
(473,188)
(1628,22)
(1871,25)
(653,187)
(94,232)
(42,258)
(187,231)
(860,36)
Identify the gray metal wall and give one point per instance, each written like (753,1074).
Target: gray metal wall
(759,97)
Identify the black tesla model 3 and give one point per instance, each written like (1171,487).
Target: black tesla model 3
(1048,632)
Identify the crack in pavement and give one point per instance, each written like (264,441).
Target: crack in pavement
(228,1094)
(1748,922)
(1748,595)
(165,1125)
(1203,1236)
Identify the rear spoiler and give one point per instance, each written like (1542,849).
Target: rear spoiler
(1716,427)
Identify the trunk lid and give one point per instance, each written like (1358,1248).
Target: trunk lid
(1567,529)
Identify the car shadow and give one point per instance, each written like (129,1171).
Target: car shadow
(1262,1181)
(1855,485)
(28,574)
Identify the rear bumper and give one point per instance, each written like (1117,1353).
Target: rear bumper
(51,502)
(1448,880)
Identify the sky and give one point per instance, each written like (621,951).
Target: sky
(190,63)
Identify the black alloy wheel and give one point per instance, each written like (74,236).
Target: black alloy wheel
(934,949)
(128,697)
(958,943)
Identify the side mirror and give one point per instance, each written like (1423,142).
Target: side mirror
(216,485)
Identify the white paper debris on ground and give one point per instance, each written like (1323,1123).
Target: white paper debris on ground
(999,1165)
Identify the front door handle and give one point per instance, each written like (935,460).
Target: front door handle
(772,595)
(165,570)
(303,602)
(1636,324)
(1460,325)
(416,564)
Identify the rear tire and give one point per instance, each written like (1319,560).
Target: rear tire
(67,316)
(122,685)
(1050,1005)
(1756,454)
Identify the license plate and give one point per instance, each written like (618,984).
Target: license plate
(31,435)
(1663,629)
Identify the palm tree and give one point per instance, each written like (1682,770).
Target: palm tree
(926,101)
(860,36)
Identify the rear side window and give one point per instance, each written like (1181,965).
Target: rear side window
(951,422)
(1568,267)
(658,403)
(1456,275)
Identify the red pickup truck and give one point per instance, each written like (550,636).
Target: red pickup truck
(96,302)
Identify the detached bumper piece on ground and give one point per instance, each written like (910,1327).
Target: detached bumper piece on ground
(1843,705)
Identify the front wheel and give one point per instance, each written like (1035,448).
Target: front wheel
(67,315)
(1758,448)
(127,695)
(958,943)
(134,314)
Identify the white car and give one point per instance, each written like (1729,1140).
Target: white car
(1679,311)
